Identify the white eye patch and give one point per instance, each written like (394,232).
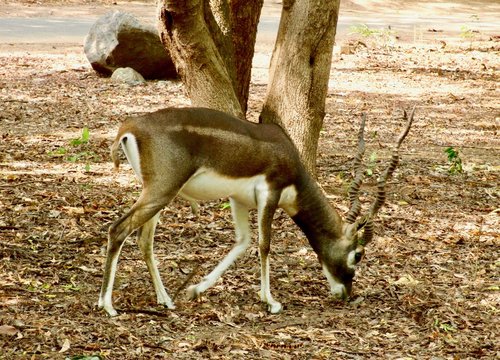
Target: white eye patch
(351,260)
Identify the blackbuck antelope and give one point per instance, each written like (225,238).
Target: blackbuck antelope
(203,154)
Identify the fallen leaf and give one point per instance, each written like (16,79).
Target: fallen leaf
(87,269)
(65,347)
(8,330)
(54,213)
(406,280)
(72,210)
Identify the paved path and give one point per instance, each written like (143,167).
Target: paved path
(26,27)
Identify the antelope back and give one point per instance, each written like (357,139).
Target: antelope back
(191,138)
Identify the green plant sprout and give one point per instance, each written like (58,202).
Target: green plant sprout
(467,33)
(454,160)
(225,205)
(382,36)
(76,151)
(363,30)
(83,139)
(372,161)
(441,326)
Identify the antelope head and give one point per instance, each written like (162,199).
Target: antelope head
(341,259)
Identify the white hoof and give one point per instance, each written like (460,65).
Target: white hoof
(192,292)
(165,301)
(168,304)
(110,310)
(107,307)
(274,308)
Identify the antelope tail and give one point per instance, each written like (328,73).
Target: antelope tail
(114,153)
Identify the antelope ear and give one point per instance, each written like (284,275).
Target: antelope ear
(350,231)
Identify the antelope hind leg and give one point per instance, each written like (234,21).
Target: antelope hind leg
(145,239)
(143,210)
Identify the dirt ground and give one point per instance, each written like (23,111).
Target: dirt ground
(428,287)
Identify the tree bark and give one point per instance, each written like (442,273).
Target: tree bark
(194,37)
(299,72)
(245,16)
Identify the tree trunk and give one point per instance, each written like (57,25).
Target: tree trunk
(212,44)
(299,72)
(245,16)
(193,36)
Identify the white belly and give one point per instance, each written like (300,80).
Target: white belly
(207,184)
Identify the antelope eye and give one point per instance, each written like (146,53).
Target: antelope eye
(358,256)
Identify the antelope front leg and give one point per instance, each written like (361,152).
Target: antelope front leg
(240,217)
(145,238)
(266,209)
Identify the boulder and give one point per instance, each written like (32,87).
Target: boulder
(127,75)
(118,39)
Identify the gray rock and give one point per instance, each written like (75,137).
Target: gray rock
(118,39)
(127,75)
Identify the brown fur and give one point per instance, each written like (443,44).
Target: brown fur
(114,153)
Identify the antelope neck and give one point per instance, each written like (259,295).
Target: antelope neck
(318,220)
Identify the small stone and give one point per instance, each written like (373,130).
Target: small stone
(127,75)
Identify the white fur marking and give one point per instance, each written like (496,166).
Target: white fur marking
(336,288)
(288,200)
(265,290)
(351,262)
(207,131)
(131,150)
(216,273)
(207,184)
